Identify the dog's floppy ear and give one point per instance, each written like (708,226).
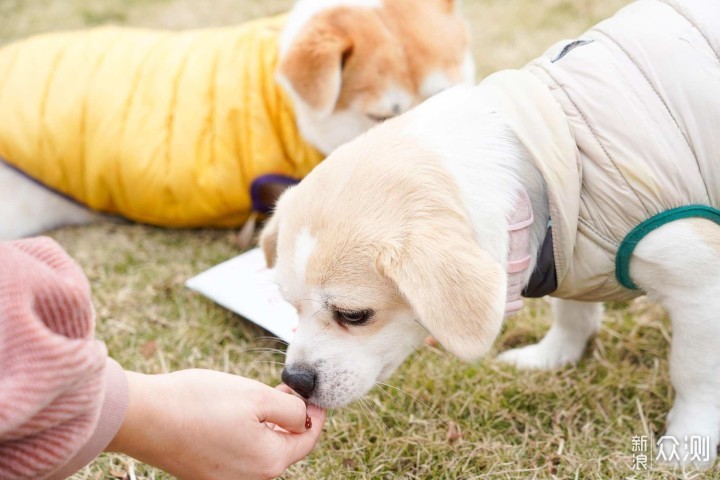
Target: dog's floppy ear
(311,68)
(455,288)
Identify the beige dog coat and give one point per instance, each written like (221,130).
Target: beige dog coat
(624,124)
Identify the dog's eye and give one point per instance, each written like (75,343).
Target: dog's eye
(354,317)
(378,118)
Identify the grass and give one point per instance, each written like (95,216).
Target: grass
(441,418)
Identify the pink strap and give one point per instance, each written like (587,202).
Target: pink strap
(519,255)
(519,266)
(524,224)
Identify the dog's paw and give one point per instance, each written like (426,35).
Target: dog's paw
(540,356)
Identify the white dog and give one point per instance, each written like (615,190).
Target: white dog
(173,129)
(593,174)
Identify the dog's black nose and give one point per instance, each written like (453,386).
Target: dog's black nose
(300,378)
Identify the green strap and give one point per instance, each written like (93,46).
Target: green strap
(627,247)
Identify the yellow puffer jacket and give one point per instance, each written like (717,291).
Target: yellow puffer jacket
(167,128)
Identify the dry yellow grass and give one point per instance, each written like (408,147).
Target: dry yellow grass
(446,419)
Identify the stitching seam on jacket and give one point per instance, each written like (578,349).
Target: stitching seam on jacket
(173,108)
(84,113)
(560,265)
(594,134)
(702,34)
(8,72)
(662,100)
(611,244)
(132,94)
(46,93)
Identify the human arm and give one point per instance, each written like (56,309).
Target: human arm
(56,382)
(62,400)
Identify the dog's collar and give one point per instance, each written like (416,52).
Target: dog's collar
(519,254)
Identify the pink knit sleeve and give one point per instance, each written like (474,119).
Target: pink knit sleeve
(54,376)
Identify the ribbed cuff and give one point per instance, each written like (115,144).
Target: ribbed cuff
(112,414)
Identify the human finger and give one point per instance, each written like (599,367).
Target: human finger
(284,410)
(299,446)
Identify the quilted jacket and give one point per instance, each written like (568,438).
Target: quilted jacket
(624,124)
(167,128)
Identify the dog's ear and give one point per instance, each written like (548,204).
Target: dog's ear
(311,68)
(455,288)
(268,240)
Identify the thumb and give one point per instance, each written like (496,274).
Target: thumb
(284,410)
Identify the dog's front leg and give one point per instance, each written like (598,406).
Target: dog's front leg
(573,324)
(679,266)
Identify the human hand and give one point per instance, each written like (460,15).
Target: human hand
(202,424)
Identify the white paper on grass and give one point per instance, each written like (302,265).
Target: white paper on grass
(244,285)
